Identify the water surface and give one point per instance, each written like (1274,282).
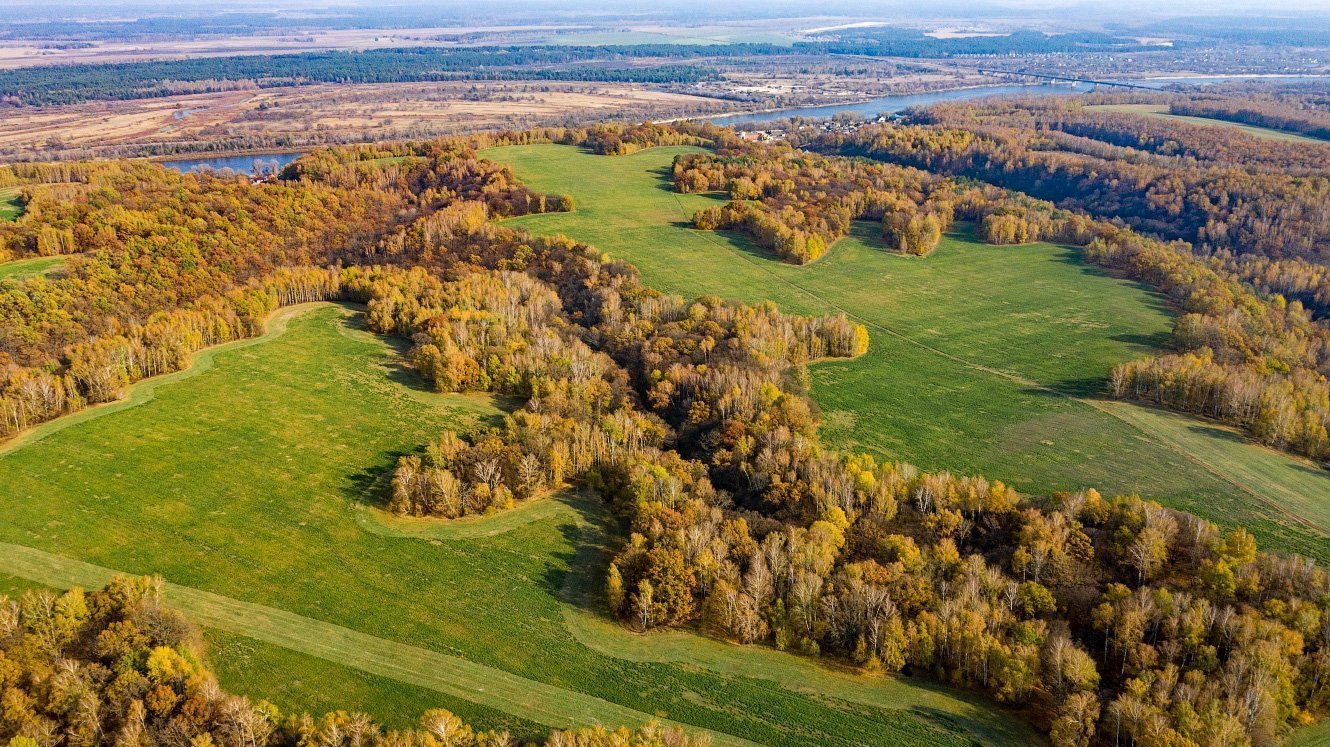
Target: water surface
(268,163)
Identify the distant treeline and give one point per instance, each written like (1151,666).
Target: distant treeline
(38,86)
(1272,115)
(48,23)
(1273,32)
(654,74)
(897,42)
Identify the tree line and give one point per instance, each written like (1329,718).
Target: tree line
(71,84)
(1312,123)
(168,263)
(800,204)
(1109,618)
(1247,356)
(163,264)
(117,667)
(902,42)
(1214,188)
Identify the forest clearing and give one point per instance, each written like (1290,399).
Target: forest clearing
(984,359)
(91,478)
(1161,111)
(424,376)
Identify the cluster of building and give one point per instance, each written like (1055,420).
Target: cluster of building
(778,130)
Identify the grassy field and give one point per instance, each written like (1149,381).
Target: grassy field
(984,359)
(24,268)
(10,207)
(248,482)
(1161,111)
(1312,736)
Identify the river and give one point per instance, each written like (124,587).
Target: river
(271,163)
(251,164)
(899,102)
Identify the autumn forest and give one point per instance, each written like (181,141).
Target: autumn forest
(691,423)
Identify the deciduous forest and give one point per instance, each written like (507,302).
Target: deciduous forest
(118,666)
(1105,619)
(1233,236)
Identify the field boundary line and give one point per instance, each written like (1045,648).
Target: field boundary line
(145,390)
(782,671)
(528,699)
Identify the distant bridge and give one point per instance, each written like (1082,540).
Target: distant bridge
(1065,78)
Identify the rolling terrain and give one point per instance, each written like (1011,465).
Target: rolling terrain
(983,359)
(279,549)
(252,481)
(1161,111)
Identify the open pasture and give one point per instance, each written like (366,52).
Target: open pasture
(983,359)
(24,268)
(1161,111)
(10,207)
(250,482)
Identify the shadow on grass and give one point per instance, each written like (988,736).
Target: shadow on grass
(1154,299)
(1214,431)
(372,486)
(1155,341)
(664,178)
(399,371)
(947,722)
(1320,470)
(745,246)
(582,583)
(1237,437)
(1059,391)
(554,580)
(1086,386)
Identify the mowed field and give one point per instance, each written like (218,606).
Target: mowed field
(10,207)
(983,359)
(1161,111)
(251,482)
(23,268)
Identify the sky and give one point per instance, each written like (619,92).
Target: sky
(528,11)
(806,7)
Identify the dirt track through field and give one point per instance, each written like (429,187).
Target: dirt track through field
(528,699)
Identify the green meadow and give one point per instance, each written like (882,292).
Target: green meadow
(24,268)
(251,483)
(1161,111)
(10,206)
(983,359)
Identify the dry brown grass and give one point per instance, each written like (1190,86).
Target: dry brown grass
(331,113)
(23,53)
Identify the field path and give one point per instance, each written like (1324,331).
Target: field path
(528,699)
(582,596)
